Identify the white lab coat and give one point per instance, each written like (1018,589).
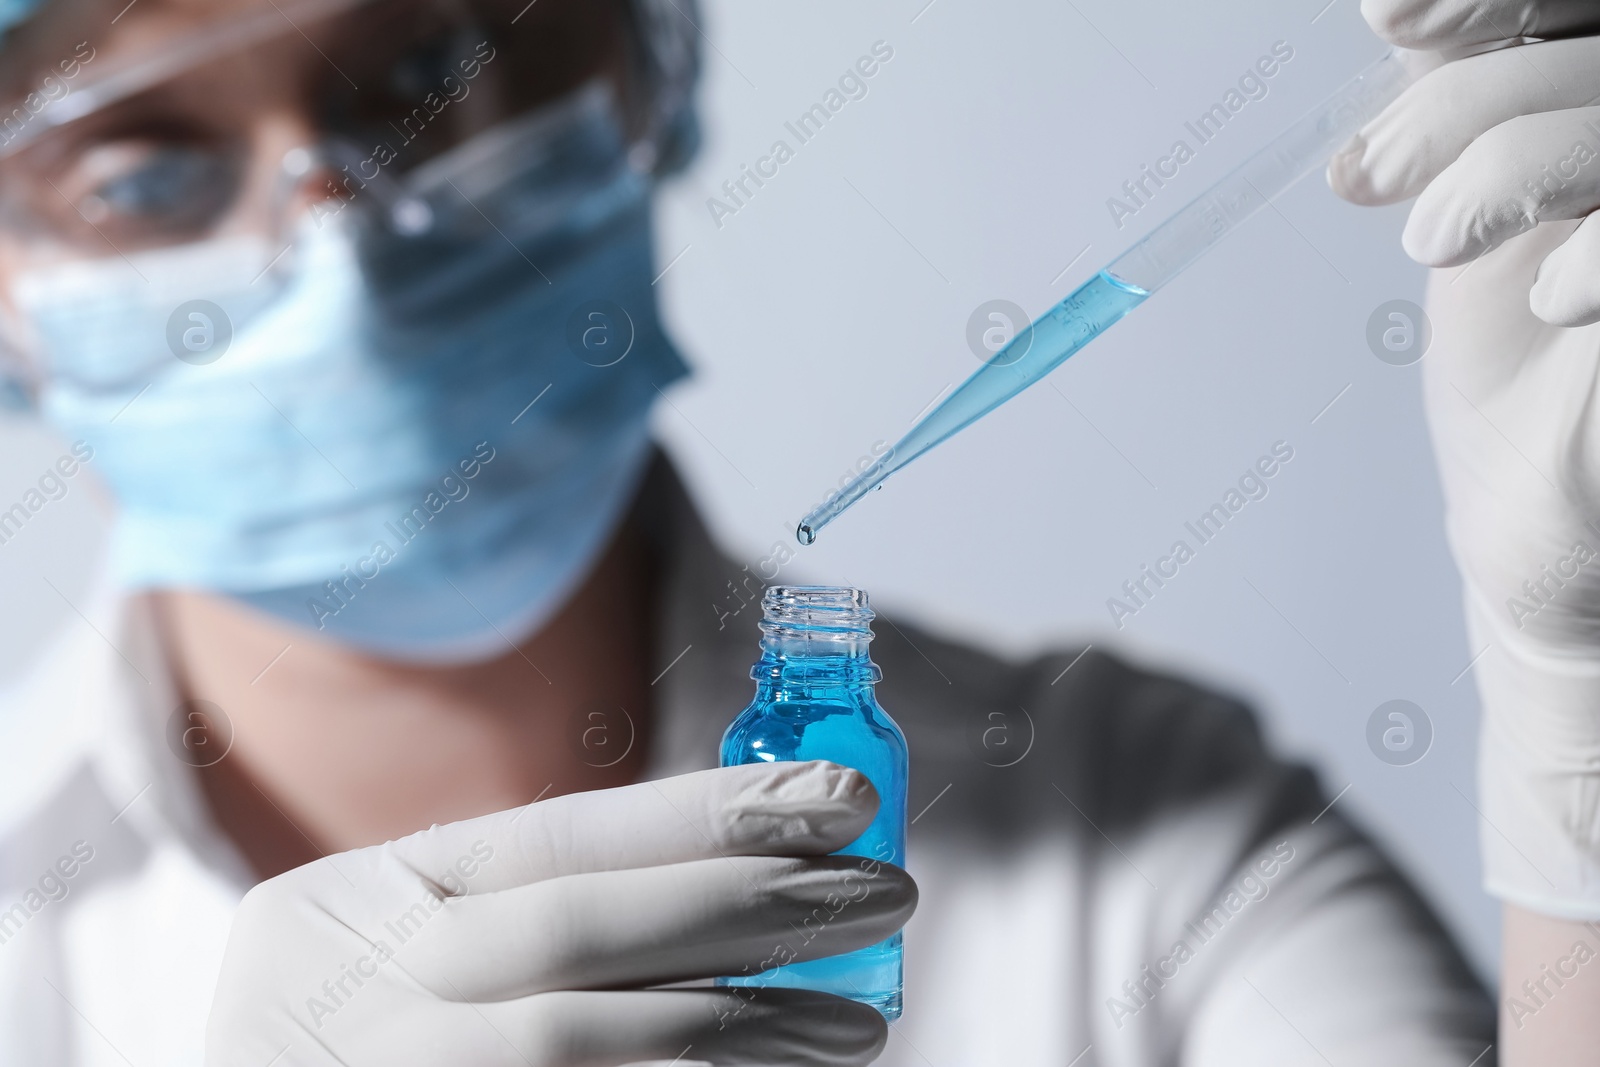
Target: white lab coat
(1120,876)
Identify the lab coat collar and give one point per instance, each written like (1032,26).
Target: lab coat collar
(104,699)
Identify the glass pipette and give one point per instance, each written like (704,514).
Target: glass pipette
(1128,281)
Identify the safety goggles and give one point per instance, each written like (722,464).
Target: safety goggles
(209,135)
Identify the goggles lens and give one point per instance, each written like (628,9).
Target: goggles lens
(197,154)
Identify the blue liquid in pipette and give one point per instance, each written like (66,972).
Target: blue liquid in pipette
(1153,261)
(1089,311)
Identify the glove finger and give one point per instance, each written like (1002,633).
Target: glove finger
(578,1029)
(1434,121)
(1532,169)
(568,1029)
(794,809)
(1566,291)
(1438,24)
(651,926)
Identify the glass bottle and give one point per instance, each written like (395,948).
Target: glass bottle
(814,700)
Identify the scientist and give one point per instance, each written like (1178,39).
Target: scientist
(388,742)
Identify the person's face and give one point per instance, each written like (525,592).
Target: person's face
(201,151)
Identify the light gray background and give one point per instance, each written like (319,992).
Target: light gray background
(833,308)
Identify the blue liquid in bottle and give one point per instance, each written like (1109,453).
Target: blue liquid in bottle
(814,700)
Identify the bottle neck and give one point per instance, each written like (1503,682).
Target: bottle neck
(814,639)
(778,672)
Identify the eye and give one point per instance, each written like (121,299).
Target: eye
(168,187)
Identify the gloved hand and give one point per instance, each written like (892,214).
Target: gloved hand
(531,938)
(1491,144)
(1497,144)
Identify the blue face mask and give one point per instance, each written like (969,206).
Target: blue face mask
(415,443)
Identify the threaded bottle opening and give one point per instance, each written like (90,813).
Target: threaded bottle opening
(817,609)
(812,633)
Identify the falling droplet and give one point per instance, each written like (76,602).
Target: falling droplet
(805,534)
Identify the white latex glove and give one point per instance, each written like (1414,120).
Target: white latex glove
(1513,402)
(1494,143)
(531,938)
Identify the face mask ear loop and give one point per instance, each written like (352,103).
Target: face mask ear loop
(662,65)
(21,369)
(19,374)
